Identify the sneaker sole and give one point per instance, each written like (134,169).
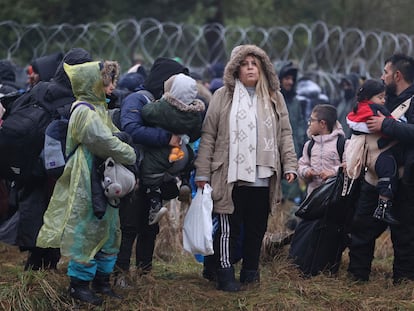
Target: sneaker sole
(158,216)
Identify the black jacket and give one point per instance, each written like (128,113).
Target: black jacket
(403,132)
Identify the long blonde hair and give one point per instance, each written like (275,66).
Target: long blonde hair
(262,85)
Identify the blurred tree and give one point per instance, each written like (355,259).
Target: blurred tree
(391,15)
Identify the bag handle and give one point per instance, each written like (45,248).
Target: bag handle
(401,109)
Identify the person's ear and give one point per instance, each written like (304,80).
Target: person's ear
(397,76)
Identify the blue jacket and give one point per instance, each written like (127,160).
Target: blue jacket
(133,124)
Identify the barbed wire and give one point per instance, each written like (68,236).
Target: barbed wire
(326,51)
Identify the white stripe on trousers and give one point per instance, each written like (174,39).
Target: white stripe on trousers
(224,241)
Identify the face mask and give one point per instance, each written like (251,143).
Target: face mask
(107,100)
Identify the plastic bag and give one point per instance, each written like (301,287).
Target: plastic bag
(198,224)
(326,196)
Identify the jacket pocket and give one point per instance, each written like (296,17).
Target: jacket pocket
(217,180)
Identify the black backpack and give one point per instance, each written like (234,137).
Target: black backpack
(22,133)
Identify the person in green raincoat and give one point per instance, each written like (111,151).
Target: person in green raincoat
(91,244)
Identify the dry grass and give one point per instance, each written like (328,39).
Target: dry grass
(176,283)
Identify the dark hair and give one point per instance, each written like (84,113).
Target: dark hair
(404,64)
(327,113)
(369,88)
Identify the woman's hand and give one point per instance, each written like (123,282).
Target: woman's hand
(200,184)
(290,177)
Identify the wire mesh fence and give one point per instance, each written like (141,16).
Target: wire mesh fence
(326,51)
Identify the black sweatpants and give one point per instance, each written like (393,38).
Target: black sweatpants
(251,212)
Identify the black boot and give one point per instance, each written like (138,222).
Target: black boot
(51,258)
(249,276)
(226,280)
(34,259)
(80,290)
(210,268)
(102,285)
(383,212)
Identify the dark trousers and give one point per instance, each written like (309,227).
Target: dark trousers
(251,212)
(134,226)
(365,230)
(387,170)
(403,235)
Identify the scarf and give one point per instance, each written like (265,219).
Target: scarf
(252,150)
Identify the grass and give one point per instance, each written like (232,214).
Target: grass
(176,283)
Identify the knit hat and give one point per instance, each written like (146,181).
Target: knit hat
(370,88)
(181,87)
(161,70)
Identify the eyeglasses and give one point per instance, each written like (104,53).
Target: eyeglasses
(310,120)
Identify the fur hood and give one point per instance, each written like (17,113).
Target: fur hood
(196,106)
(109,72)
(237,55)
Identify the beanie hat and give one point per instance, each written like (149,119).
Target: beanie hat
(161,70)
(118,181)
(370,88)
(181,87)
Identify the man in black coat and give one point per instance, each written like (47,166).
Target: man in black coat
(398,77)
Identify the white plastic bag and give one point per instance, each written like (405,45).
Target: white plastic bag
(198,225)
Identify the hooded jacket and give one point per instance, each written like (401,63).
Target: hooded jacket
(324,156)
(46,66)
(172,114)
(69,221)
(212,161)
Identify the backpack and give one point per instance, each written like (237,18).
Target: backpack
(22,132)
(54,150)
(340,146)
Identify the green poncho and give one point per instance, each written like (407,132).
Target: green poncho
(69,222)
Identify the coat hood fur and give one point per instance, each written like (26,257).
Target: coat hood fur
(238,54)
